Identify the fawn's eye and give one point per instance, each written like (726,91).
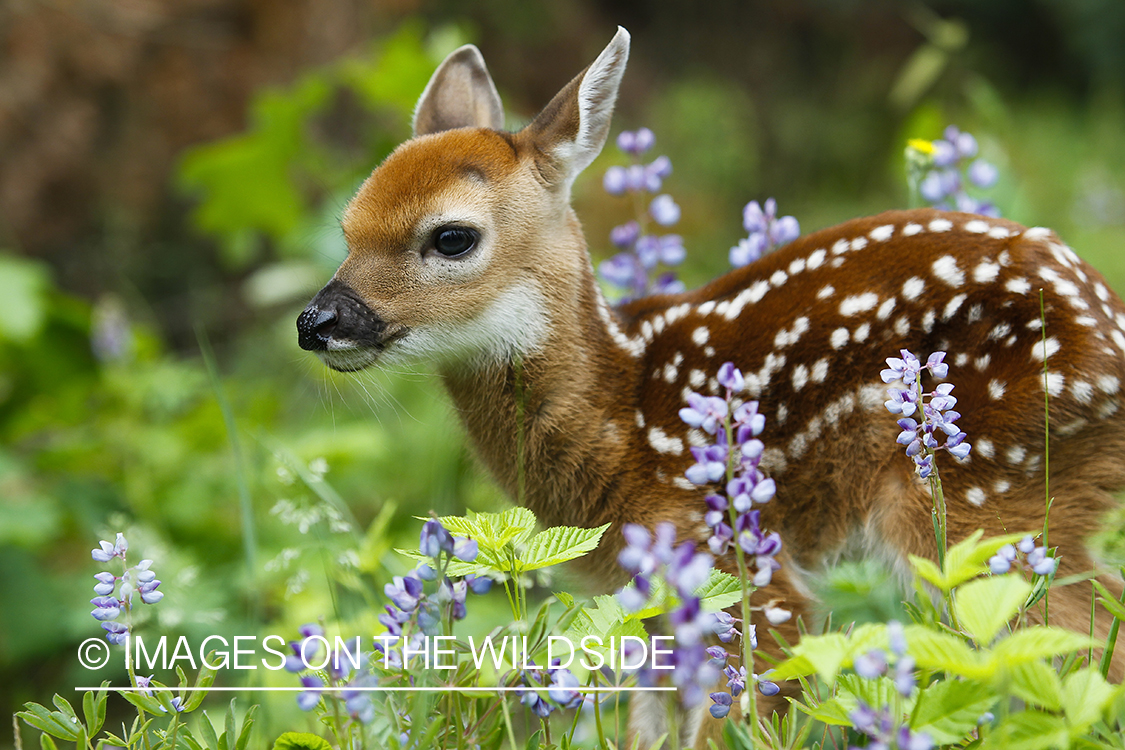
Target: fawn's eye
(454,241)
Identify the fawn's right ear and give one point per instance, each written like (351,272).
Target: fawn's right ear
(460,94)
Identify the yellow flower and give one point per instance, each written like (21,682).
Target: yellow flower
(921,145)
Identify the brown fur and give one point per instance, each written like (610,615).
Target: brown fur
(846,487)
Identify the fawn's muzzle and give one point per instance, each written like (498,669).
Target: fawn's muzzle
(338,319)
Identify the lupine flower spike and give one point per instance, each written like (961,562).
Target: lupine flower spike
(941,170)
(767,232)
(641,252)
(935,429)
(115,593)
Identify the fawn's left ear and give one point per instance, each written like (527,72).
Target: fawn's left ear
(571,130)
(460,94)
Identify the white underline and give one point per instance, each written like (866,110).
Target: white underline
(342,688)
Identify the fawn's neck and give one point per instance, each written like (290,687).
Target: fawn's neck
(558,412)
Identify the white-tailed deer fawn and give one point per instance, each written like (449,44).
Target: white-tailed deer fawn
(464,250)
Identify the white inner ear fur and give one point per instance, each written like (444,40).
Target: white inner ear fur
(596,96)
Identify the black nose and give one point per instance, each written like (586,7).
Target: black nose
(315,326)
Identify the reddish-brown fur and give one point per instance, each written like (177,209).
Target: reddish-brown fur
(815,321)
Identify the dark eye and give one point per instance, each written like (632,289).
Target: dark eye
(454,241)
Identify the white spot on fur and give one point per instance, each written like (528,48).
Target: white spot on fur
(883,233)
(976,226)
(706,308)
(975,313)
(986,272)
(996,389)
(999,233)
(1101,291)
(683,483)
(700,335)
(1037,234)
(1017,285)
(1109,385)
(696,378)
(911,229)
(778,278)
(1034,324)
(1015,454)
(800,377)
(1044,349)
(928,321)
(640,419)
(826,292)
(961,360)
(862,333)
(796,266)
(1054,384)
(858,303)
(817,259)
(981,363)
(819,370)
(999,331)
(984,447)
(913,286)
(952,307)
(840,247)
(941,225)
(787,337)
(945,268)
(671,372)
(839,338)
(1001,487)
(1108,409)
(975,496)
(902,325)
(662,443)
(1082,391)
(709,351)
(885,309)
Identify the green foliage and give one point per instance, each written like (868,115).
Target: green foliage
(300,741)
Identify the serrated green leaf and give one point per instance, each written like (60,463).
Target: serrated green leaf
(969,558)
(937,650)
(825,653)
(877,692)
(494,531)
(720,591)
(1085,696)
(928,571)
(1030,730)
(564,598)
(948,710)
(600,624)
(1036,683)
(487,562)
(301,741)
(985,605)
(1038,642)
(558,545)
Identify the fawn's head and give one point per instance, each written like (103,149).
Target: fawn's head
(463,239)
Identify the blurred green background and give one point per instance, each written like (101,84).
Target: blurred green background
(171,173)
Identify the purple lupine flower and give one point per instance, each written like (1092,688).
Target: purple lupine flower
(718,654)
(766,232)
(736,680)
(435,539)
(116,633)
(309,699)
(871,665)
(904,675)
(563,689)
(148,592)
(107,551)
(722,704)
(766,686)
(106,608)
(937,415)
(664,210)
(941,181)
(465,549)
(705,412)
(404,591)
(710,464)
(479,585)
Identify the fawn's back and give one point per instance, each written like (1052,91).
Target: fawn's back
(464,250)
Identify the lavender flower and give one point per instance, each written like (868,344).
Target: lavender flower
(766,232)
(1036,558)
(921,438)
(939,170)
(634,269)
(115,593)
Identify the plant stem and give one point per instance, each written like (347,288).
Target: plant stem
(1046,450)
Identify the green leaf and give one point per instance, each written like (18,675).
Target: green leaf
(720,591)
(247,724)
(878,692)
(986,605)
(1036,683)
(301,741)
(229,728)
(832,712)
(46,743)
(1039,642)
(826,654)
(937,650)
(564,598)
(1085,696)
(204,679)
(965,560)
(207,731)
(494,531)
(558,545)
(52,722)
(948,710)
(23,298)
(1030,730)
(928,570)
(603,622)
(1109,601)
(534,740)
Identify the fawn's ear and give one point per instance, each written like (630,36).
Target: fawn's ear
(571,130)
(460,94)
